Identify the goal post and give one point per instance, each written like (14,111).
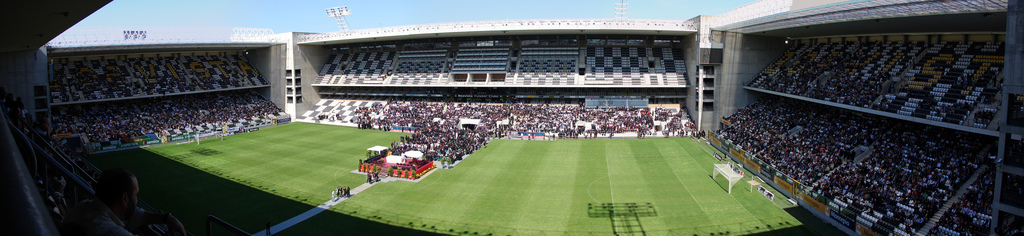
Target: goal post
(727,171)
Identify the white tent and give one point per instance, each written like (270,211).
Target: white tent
(413,154)
(377,148)
(394,159)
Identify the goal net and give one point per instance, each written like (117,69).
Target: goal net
(201,136)
(729,172)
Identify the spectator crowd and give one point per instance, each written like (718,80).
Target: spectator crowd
(441,134)
(120,120)
(911,170)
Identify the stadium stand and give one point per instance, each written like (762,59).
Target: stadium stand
(908,171)
(342,111)
(972,213)
(949,81)
(530,66)
(368,68)
(803,140)
(42,162)
(425,67)
(124,120)
(331,72)
(616,66)
(672,66)
(547,66)
(481,60)
(116,78)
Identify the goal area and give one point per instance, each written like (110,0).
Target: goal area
(729,173)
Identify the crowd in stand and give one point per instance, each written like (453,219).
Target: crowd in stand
(439,135)
(972,214)
(846,89)
(127,119)
(912,170)
(804,140)
(51,183)
(102,79)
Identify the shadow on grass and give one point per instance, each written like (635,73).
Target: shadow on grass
(812,222)
(192,194)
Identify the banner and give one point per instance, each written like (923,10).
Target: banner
(714,140)
(814,203)
(753,166)
(786,186)
(737,155)
(843,220)
(865,231)
(283,120)
(726,122)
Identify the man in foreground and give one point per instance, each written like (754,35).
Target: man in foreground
(113,210)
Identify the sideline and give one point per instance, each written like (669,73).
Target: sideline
(312,212)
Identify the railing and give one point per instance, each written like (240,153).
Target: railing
(77,186)
(24,210)
(210,220)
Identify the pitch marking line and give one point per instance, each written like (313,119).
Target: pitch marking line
(312,212)
(592,184)
(730,195)
(688,192)
(609,166)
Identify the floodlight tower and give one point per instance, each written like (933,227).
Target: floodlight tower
(339,13)
(621,9)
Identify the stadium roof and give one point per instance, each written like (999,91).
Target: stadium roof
(503,27)
(30,24)
(879,17)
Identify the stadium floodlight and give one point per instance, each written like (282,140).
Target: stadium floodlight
(339,13)
(621,9)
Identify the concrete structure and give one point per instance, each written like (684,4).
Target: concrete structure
(1008,213)
(722,53)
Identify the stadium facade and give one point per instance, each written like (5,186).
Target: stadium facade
(710,65)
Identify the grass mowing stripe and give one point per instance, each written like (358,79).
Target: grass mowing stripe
(505,193)
(539,208)
(512,187)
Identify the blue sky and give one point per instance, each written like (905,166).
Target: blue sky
(309,16)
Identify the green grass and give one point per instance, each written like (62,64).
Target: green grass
(511,187)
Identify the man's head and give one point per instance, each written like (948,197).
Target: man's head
(119,190)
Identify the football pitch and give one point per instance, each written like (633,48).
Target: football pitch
(653,186)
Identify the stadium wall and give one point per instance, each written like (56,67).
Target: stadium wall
(309,59)
(1007,213)
(744,57)
(691,51)
(21,72)
(269,62)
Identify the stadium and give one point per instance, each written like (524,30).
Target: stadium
(778,117)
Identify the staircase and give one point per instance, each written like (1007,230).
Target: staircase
(945,206)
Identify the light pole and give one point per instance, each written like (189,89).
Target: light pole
(339,13)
